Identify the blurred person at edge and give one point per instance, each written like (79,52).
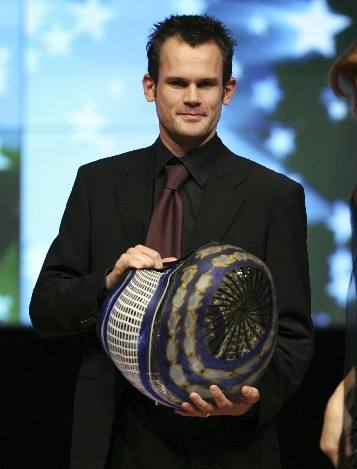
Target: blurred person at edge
(339,431)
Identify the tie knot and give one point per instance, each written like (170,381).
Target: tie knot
(176,175)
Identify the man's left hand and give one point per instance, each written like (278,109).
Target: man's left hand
(222,405)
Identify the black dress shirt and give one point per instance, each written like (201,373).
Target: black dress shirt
(198,163)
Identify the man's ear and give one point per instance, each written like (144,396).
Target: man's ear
(149,88)
(229,90)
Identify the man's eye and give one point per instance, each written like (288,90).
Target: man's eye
(178,84)
(206,84)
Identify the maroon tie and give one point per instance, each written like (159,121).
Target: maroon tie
(165,229)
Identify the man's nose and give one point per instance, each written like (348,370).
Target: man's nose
(192,96)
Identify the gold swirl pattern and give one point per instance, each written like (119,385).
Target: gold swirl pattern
(176,371)
(188,274)
(215,322)
(224,260)
(209,251)
(190,346)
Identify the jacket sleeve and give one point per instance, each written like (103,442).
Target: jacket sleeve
(287,258)
(67,294)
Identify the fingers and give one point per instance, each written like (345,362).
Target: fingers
(221,406)
(219,398)
(198,408)
(188,410)
(138,257)
(169,259)
(224,406)
(202,407)
(250,395)
(143,257)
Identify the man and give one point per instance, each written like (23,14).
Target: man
(105,230)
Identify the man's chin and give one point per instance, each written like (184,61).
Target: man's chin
(192,137)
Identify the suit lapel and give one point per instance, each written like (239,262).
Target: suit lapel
(225,193)
(134,192)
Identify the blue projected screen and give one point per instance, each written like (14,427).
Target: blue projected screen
(70,93)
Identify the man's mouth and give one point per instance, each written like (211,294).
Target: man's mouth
(192,115)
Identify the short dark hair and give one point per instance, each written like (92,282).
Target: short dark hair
(194,30)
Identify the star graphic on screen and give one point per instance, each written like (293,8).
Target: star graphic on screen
(318,208)
(257,24)
(116,87)
(337,110)
(340,265)
(193,7)
(335,107)
(281,142)
(6,303)
(321,319)
(36,12)
(87,122)
(58,41)
(267,94)
(4,62)
(315,27)
(91,17)
(339,222)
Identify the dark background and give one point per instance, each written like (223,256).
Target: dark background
(37,386)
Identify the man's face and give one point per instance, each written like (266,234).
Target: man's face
(189,93)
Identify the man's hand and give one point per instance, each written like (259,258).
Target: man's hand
(222,405)
(138,257)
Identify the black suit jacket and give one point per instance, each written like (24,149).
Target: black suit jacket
(108,211)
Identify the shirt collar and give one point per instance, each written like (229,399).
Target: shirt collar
(198,161)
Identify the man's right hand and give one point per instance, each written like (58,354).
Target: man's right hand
(138,257)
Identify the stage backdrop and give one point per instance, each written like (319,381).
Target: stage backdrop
(70,93)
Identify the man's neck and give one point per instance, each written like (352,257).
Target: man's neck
(181,148)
